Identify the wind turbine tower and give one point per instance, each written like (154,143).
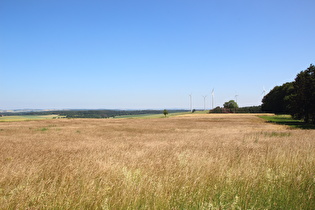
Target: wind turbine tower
(190,97)
(236,98)
(204,102)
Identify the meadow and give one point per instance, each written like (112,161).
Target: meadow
(196,161)
(151,116)
(28,117)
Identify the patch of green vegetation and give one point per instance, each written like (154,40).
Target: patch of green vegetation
(200,112)
(288,120)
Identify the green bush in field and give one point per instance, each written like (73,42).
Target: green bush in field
(165,112)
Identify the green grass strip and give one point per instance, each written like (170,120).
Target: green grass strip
(288,120)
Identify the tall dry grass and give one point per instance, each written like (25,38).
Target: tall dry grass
(195,162)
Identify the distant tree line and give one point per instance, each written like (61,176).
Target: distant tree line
(90,113)
(249,109)
(296,98)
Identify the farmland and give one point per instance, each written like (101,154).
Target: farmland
(28,117)
(195,161)
(151,116)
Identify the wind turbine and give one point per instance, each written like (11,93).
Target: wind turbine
(190,96)
(236,98)
(204,102)
(212,94)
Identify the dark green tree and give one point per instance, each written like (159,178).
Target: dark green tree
(216,110)
(231,105)
(165,112)
(302,101)
(277,100)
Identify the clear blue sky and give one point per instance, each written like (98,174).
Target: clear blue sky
(149,54)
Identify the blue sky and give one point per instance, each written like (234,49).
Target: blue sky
(149,54)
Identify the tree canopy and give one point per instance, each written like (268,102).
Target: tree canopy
(232,105)
(296,98)
(165,112)
(277,100)
(302,101)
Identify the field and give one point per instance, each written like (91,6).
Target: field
(151,116)
(196,161)
(27,117)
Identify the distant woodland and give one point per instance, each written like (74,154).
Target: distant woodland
(90,113)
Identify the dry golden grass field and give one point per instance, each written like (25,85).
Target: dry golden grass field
(206,161)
